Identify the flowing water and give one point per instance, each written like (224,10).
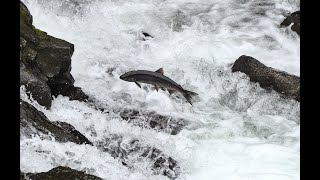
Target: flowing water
(234,130)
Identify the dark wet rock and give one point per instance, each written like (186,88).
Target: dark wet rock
(131,152)
(73,92)
(26,29)
(22,176)
(30,74)
(70,129)
(34,122)
(54,58)
(61,172)
(51,55)
(146,36)
(292,18)
(36,87)
(168,124)
(269,78)
(43,59)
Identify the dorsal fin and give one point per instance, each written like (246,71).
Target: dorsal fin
(160,71)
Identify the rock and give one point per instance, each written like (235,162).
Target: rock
(269,78)
(26,30)
(74,93)
(22,176)
(36,86)
(70,129)
(34,122)
(54,58)
(145,36)
(145,119)
(292,18)
(45,63)
(131,152)
(51,55)
(61,172)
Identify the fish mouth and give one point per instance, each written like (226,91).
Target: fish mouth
(123,76)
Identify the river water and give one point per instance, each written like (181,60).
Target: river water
(235,129)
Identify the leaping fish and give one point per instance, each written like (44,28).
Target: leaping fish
(158,80)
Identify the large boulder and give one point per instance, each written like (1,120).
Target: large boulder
(292,18)
(59,173)
(45,63)
(269,78)
(34,122)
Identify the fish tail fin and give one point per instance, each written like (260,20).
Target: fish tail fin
(188,95)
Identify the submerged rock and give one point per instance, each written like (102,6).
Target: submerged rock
(131,152)
(168,124)
(269,78)
(178,20)
(292,18)
(145,36)
(34,122)
(43,59)
(61,173)
(143,118)
(70,129)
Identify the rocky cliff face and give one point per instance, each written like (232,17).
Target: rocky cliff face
(45,63)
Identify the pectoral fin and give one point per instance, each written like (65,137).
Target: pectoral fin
(157,88)
(137,84)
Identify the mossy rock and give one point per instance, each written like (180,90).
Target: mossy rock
(26,29)
(40,34)
(42,58)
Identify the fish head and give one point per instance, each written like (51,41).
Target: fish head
(128,77)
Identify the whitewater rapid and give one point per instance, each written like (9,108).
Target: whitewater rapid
(237,130)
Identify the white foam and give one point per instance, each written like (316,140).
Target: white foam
(237,131)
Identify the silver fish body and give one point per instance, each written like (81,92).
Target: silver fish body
(158,80)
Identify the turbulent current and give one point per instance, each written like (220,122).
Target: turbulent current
(234,130)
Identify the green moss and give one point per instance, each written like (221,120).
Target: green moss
(40,34)
(23,13)
(26,30)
